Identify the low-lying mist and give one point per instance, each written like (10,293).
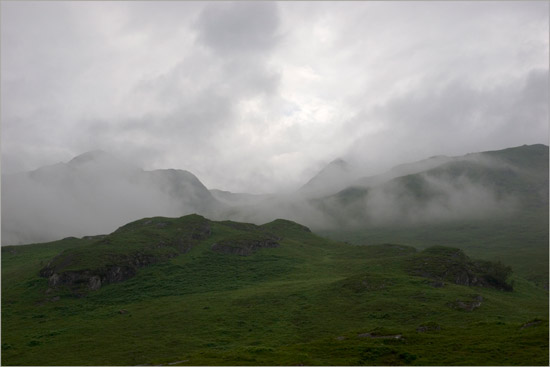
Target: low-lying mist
(95,193)
(93,196)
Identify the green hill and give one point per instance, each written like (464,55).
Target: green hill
(191,291)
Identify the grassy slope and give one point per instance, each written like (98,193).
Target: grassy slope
(304,302)
(520,241)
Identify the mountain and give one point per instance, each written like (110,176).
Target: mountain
(402,170)
(333,177)
(94,193)
(442,188)
(193,291)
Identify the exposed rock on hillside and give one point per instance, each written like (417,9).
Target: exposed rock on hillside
(452,265)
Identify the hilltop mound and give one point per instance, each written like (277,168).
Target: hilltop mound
(282,225)
(117,257)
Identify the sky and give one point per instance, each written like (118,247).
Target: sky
(259,96)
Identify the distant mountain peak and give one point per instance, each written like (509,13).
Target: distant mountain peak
(92,155)
(334,176)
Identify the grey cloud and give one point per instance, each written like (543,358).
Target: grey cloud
(453,118)
(205,86)
(239,27)
(196,123)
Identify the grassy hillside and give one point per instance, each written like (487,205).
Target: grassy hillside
(520,241)
(289,298)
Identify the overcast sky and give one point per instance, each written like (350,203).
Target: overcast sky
(258,96)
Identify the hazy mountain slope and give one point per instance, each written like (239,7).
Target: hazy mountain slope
(334,177)
(473,186)
(191,291)
(402,170)
(441,190)
(94,193)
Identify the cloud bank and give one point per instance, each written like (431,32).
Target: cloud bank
(259,96)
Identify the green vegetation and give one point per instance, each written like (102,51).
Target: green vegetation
(519,240)
(308,301)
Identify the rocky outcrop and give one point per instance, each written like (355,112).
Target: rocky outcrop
(243,247)
(81,280)
(452,265)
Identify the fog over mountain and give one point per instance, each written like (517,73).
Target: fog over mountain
(281,109)
(336,176)
(96,192)
(438,189)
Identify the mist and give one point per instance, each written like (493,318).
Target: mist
(94,193)
(300,110)
(435,190)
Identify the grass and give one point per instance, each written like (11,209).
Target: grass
(304,302)
(519,240)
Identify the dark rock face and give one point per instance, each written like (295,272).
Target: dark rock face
(88,279)
(243,247)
